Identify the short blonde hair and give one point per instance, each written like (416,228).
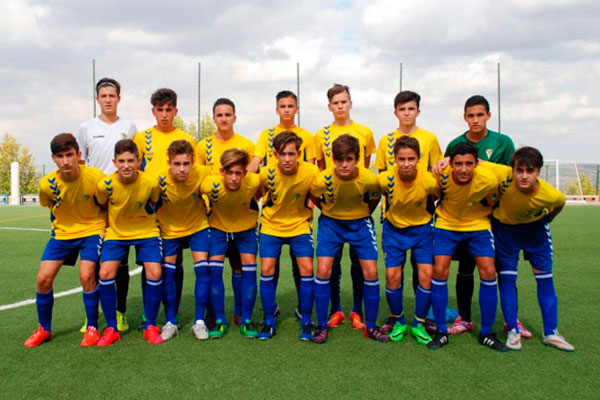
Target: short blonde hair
(233,157)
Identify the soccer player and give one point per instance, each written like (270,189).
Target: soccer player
(232,219)
(97,138)
(463,217)
(78,225)
(340,105)
(287,219)
(183,223)
(522,221)
(130,196)
(407,186)
(209,152)
(347,194)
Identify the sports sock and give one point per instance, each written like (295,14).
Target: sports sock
(154,294)
(217,289)
(548,301)
(508,297)
(394,299)
(488,302)
(122,281)
(439,300)
(322,293)
(170,288)
(90,303)
(248,290)
(276,273)
(334,285)
(357,286)
(267,297)
(44,303)
(465,286)
(143,282)
(306,298)
(236,284)
(415,273)
(108,299)
(178,286)
(422,303)
(296,275)
(371,298)
(201,288)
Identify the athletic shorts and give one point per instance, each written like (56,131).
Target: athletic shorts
(359,233)
(147,250)
(479,243)
(197,242)
(245,241)
(300,246)
(67,250)
(533,238)
(397,241)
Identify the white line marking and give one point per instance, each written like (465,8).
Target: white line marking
(24,229)
(56,295)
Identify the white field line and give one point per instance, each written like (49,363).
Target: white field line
(56,295)
(11,228)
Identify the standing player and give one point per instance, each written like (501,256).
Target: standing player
(183,223)
(130,196)
(97,138)
(78,225)
(209,152)
(463,217)
(407,226)
(232,219)
(522,221)
(286,219)
(340,105)
(347,194)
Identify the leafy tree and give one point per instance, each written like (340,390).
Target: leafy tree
(587,187)
(207,127)
(10,151)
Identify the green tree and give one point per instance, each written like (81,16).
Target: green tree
(587,187)
(10,151)
(207,127)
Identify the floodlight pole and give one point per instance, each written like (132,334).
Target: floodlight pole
(298,89)
(400,76)
(499,122)
(199,87)
(94,85)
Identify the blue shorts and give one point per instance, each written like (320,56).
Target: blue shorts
(479,243)
(300,246)
(245,241)
(359,233)
(533,238)
(397,241)
(147,250)
(68,250)
(197,242)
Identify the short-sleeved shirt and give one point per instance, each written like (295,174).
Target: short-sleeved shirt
(264,145)
(285,212)
(428,143)
(130,206)
(153,145)
(346,199)
(325,136)
(97,140)
(73,212)
(210,150)
(495,147)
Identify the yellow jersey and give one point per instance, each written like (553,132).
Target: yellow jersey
(516,207)
(182,210)
(153,144)
(73,211)
(264,145)
(428,143)
(232,211)
(130,206)
(210,149)
(466,207)
(325,136)
(406,202)
(346,199)
(284,210)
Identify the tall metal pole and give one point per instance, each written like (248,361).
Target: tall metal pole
(199,87)
(597,178)
(400,76)
(298,88)
(499,123)
(94,85)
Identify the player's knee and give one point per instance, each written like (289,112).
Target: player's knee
(441,273)
(425,275)
(393,277)
(44,282)
(487,271)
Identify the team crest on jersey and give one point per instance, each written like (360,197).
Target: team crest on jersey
(139,204)
(123,135)
(297,196)
(489,152)
(418,203)
(86,197)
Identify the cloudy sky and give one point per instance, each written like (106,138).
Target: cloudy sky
(549,53)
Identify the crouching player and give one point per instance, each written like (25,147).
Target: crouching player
(77,227)
(463,217)
(130,196)
(407,226)
(183,223)
(286,219)
(232,218)
(522,221)
(347,194)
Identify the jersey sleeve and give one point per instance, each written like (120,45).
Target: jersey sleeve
(82,141)
(372,187)
(370,145)
(309,146)
(201,152)
(431,184)
(318,146)
(501,171)
(380,162)
(131,131)
(435,152)
(451,146)
(261,146)
(101,193)
(45,197)
(508,148)
(318,186)
(138,139)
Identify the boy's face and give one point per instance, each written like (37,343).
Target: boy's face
(108,99)
(463,166)
(476,117)
(67,160)
(288,159)
(164,114)
(346,167)
(407,113)
(407,160)
(224,117)
(525,177)
(340,106)
(126,164)
(286,109)
(233,177)
(180,166)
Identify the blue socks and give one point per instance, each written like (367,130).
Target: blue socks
(178,285)
(508,297)
(108,298)
(439,300)
(488,302)
(422,303)
(170,298)
(201,288)
(236,284)
(396,302)
(322,293)
(217,289)
(371,298)
(306,298)
(548,301)
(90,303)
(267,297)
(154,294)
(44,303)
(248,290)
